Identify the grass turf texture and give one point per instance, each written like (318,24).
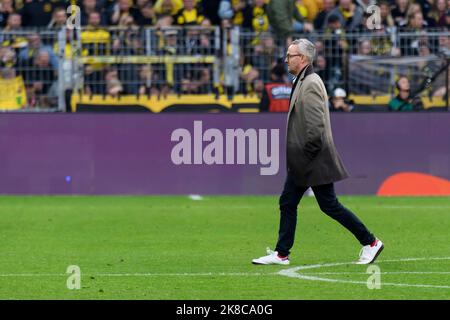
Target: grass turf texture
(202,249)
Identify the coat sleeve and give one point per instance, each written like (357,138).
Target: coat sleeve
(314,118)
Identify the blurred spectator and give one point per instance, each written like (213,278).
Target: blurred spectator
(400,12)
(122,10)
(35,46)
(170,73)
(319,47)
(190,14)
(95,38)
(281,14)
(382,44)
(385,13)
(113,85)
(37,13)
(426,6)
(339,101)
(319,20)
(147,85)
(89,6)
(203,81)
(59,18)
(304,26)
(416,8)
(313,7)
(128,42)
(249,75)
(447,17)
(240,9)
(167,7)
(335,48)
(410,44)
(13,24)
(164,21)
(127,21)
(444,45)
(320,67)
(8,61)
(263,55)
(442,91)
(256,18)
(277,91)
(39,79)
(96,41)
(350,15)
(197,42)
(437,14)
(6,8)
(364,47)
(403,101)
(148,14)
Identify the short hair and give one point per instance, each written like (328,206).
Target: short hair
(305,47)
(333,18)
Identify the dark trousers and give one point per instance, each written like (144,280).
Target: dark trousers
(328,203)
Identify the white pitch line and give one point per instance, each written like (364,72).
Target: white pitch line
(388,272)
(195,197)
(293,273)
(204,274)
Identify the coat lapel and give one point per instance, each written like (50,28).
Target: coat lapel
(297,84)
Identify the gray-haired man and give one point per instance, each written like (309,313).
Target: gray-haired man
(312,160)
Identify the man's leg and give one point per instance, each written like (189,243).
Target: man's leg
(289,200)
(328,203)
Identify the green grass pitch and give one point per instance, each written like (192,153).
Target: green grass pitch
(172,247)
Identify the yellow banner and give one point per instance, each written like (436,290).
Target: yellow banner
(12,94)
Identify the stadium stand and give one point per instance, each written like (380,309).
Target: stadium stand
(214,55)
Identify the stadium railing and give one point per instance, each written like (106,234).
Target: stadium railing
(56,70)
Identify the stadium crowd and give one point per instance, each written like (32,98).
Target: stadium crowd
(266,27)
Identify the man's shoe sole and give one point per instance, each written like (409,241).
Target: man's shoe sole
(269,264)
(377,254)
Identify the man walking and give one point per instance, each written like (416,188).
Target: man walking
(312,160)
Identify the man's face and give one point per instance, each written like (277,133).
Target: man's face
(94,19)
(417,20)
(345,4)
(328,5)
(60,17)
(43,59)
(335,25)
(294,60)
(365,48)
(124,5)
(89,4)
(14,21)
(34,40)
(384,10)
(188,4)
(403,87)
(259,3)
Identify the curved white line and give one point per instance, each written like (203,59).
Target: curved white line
(293,273)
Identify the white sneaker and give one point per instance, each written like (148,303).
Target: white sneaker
(271,258)
(368,254)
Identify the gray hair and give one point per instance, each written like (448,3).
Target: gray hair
(305,47)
